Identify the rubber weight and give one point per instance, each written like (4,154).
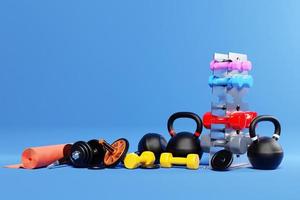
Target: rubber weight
(133,160)
(167,160)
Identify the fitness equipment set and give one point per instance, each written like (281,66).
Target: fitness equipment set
(232,134)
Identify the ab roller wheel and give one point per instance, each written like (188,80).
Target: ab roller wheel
(115,153)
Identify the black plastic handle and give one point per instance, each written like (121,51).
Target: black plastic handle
(189,115)
(262,118)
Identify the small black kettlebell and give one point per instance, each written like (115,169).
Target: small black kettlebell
(153,142)
(265,152)
(184,143)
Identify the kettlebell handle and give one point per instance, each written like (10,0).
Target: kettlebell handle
(261,118)
(189,115)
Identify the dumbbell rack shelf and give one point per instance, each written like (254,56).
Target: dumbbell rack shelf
(227,97)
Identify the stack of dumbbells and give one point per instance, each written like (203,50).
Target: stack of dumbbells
(229,117)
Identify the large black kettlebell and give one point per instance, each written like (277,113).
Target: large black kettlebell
(184,143)
(265,152)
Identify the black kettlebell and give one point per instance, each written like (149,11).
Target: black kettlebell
(87,154)
(184,143)
(153,142)
(265,152)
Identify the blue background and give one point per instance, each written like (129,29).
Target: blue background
(77,70)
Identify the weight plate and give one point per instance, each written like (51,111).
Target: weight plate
(154,166)
(80,154)
(221,160)
(98,152)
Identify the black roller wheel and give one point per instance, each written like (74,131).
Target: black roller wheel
(120,147)
(221,160)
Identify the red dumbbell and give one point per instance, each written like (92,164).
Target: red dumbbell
(250,115)
(237,120)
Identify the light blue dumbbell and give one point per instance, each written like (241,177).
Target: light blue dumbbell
(238,81)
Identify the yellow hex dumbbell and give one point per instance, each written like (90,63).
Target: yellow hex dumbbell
(191,161)
(146,159)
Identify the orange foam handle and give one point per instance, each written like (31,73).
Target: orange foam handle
(36,157)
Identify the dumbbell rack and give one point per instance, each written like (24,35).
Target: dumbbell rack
(226,100)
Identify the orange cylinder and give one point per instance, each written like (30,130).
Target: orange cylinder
(37,157)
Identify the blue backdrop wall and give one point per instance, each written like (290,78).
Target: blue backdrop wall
(127,64)
(77,70)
